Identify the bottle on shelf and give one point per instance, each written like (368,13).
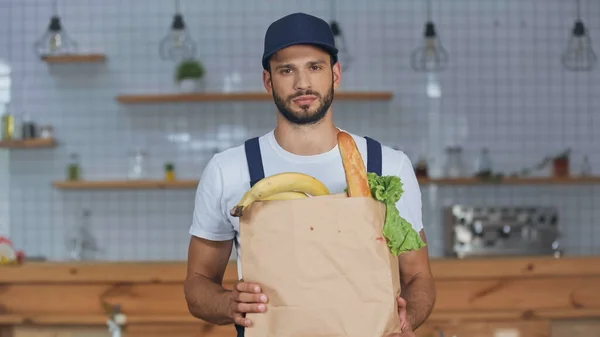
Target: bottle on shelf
(8,124)
(73,168)
(586,167)
(560,164)
(169,172)
(483,164)
(421,168)
(28,129)
(454,166)
(137,165)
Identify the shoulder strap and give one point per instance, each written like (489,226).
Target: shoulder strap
(374,160)
(240,330)
(254,160)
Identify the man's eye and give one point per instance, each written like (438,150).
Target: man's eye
(316,67)
(286,71)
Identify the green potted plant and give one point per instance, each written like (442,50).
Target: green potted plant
(188,75)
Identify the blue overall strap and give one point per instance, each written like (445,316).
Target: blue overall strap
(240,330)
(254,160)
(374,161)
(256,170)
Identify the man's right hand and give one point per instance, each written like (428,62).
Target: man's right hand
(246,298)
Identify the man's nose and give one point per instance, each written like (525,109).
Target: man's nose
(302,81)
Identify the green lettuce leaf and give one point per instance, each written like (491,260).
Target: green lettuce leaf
(398,232)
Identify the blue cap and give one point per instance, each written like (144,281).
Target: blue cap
(298,28)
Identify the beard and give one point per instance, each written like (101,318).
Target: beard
(305,116)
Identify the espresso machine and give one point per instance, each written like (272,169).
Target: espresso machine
(474,231)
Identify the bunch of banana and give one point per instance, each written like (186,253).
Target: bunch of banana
(282,186)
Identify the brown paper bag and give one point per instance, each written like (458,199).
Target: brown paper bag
(324,265)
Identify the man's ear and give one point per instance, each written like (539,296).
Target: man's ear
(337,74)
(267,81)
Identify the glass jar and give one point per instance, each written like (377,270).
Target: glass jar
(46,131)
(454,166)
(586,167)
(136,165)
(560,166)
(73,168)
(483,164)
(421,168)
(28,128)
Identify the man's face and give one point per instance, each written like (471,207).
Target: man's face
(302,83)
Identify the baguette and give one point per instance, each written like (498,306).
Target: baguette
(354,166)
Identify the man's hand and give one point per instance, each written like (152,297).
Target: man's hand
(404,323)
(405,327)
(246,298)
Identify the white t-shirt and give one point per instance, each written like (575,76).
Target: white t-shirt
(226,178)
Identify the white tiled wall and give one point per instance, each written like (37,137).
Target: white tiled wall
(4,195)
(504,89)
(4,155)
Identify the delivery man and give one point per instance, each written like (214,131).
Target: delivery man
(301,71)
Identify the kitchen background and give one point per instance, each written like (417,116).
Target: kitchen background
(504,88)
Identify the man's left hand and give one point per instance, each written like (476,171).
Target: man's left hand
(405,326)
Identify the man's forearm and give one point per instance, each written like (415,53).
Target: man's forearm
(419,295)
(208,300)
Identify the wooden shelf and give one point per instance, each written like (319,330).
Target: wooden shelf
(238,96)
(28,143)
(192,184)
(74,58)
(512,181)
(125,184)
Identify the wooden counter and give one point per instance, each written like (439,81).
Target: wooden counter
(529,294)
